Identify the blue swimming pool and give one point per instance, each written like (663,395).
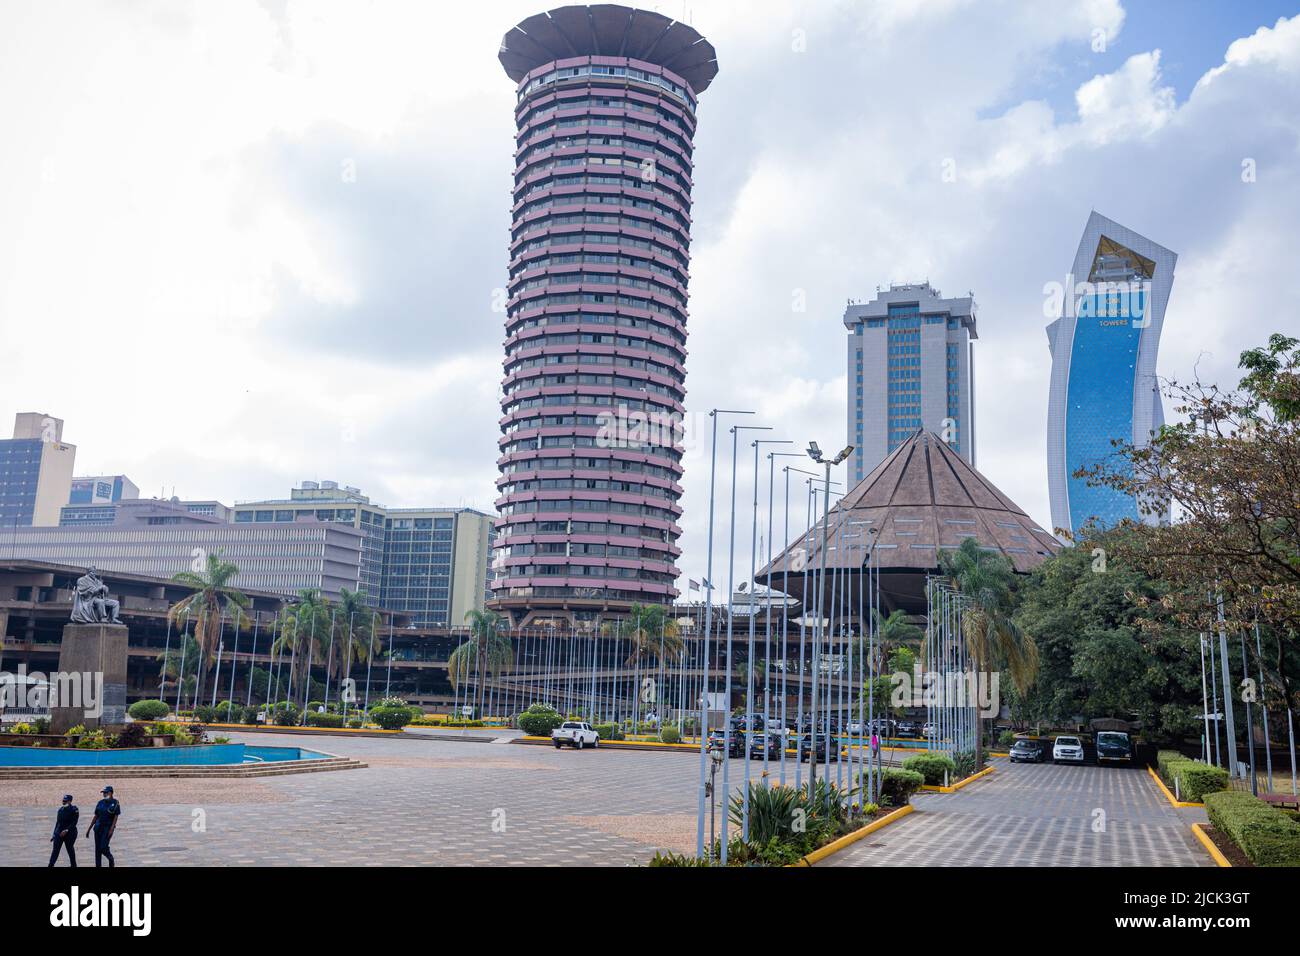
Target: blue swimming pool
(199,755)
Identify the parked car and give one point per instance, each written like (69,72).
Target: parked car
(1067,750)
(929,729)
(735,742)
(576,733)
(759,743)
(826,749)
(1114,746)
(907,728)
(884,727)
(1025,750)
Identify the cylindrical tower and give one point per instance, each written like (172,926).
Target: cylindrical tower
(595,345)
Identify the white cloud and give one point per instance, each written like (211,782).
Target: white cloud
(188,279)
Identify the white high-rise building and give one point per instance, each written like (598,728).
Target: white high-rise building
(909,368)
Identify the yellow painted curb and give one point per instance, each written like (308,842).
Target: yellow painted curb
(821,853)
(1173,801)
(1215,852)
(622,743)
(288,730)
(959,784)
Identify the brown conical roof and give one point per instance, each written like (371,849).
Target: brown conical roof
(922,499)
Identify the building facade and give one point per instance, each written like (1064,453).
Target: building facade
(1103,386)
(102,489)
(328,502)
(910,368)
(282,559)
(437,563)
(35,471)
(596,317)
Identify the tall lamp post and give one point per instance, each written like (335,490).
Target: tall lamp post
(815,453)
(708,629)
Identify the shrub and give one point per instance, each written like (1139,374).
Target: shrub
(23,728)
(966,762)
(1007,738)
(1265,834)
(897,786)
(95,740)
(354,723)
(669,735)
(229,713)
(1189,779)
(932,767)
(249,716)
(285,714)
(608,731)
(132,735)
(669,858)
(324,720)
(77,730)
(391,718)
(539,720)
(149,710)
(205,714)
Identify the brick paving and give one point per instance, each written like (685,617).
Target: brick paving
(1038,815)
(450,803)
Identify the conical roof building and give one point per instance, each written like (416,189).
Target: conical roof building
(920,501)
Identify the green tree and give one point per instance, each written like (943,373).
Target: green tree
(212,602)
(304,629)
(488,650)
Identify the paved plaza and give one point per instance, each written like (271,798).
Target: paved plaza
(1039,815)
(424,801)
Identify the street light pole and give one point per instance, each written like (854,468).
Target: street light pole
(708,629)
(815,454)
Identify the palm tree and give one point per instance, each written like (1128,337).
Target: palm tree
(987,581)
(175,662)
(487,651)
(654,632)
(212,600)
(354,614)
(303,627)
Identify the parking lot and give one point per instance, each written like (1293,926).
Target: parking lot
(1038,815)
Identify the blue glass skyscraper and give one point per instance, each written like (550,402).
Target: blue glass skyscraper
(1104,387)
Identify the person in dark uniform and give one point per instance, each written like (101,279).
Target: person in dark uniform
(107,812)
(65,831)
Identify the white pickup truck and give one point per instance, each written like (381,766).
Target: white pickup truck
(575,733)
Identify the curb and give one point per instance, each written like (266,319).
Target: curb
(616,744)
(1173,801)
(1215,852)
(959,784)
(295,729)
(821,853)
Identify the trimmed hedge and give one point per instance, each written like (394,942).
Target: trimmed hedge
(1265,834)
(897,786)
(324,720)
(608,731)
(149,710)
(932,767)
(669,735)
(1189,779)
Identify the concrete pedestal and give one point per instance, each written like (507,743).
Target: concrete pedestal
(96,652)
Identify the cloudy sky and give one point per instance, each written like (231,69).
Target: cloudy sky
(246,243)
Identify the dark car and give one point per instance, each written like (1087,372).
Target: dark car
(908,728)
(735,742)
(769,743)
(827,748)
(1114,746)
(1028,751)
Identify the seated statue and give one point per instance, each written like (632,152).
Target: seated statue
(90,601)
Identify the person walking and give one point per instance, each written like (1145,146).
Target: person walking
(65,831)
(107,813)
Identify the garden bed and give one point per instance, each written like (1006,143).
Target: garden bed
(1224,844)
